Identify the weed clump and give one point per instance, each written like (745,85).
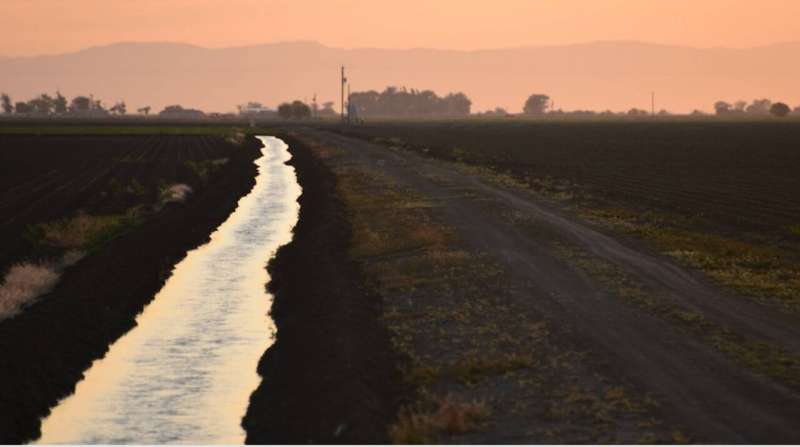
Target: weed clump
(421,424)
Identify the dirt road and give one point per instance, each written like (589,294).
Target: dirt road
(698,384)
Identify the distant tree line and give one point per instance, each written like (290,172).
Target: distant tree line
(757,107)
(83,106)
(46,105)
(401,102)
(176,111)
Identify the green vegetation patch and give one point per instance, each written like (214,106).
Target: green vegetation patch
(760,357)
(83,232)
(769,274)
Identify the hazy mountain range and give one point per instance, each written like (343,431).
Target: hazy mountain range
(599,76)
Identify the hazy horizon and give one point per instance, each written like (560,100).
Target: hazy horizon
(39,27)
(430,48)
(604,54)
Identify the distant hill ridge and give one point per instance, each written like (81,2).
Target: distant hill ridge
(602,75)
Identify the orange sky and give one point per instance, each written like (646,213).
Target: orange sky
(29,27)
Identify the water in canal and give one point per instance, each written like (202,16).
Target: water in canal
(184,374)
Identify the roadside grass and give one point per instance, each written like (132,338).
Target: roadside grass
(458,335)
(763,270)
(758,356)
(766,273)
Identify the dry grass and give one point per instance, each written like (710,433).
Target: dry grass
(421,424)
(23,284)
(27,281)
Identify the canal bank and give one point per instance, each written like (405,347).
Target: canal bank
(47,348)
(330,376)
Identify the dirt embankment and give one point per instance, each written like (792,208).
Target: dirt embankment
(521,322)
(329,377)
(46,348)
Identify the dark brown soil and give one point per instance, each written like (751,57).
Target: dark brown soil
(329,377)
(46,348)
(695,384)
(739,174)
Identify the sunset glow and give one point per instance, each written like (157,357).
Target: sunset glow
(32,27)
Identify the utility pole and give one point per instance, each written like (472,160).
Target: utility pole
(348,102)
(653,103)
(344,81)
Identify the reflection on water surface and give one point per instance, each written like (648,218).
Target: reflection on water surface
(184,374)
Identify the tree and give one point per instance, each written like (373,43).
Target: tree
(722,107)
(300,110)
(119,108)
(779,109)
(759,107)
(8,107)
(327,109)
(80,104)
(60,103)
(42,104)
(22,108)
(144,110)
(409,103)
(457,104)
(536,104)
(177,111)
(285,111)
(637,112)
